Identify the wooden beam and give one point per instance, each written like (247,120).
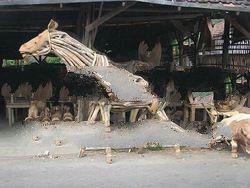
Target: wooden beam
(225,44)
(213,6)
(99,16)
(18,31)
(165,10)
(197,40)
(154,18)
(27,28)
(200,42)
(133,24)
(42,23)
(39,9)
(236,24)
(108,16)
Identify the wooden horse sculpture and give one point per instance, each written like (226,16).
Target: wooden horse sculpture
(126,91)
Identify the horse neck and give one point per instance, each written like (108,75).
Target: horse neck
(74,53)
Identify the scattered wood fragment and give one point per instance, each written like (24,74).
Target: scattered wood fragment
(82,152)
(109,155)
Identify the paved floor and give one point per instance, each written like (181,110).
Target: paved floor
(18,140)
(155,169)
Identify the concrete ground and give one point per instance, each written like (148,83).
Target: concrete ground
(19,140)
(200,169)
(23,163)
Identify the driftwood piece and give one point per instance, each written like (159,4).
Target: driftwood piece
(24,90)
(6,90)
(109,155)
(64,94)
(102,104)
(133,115)
(95,113)
(83,108)
(56,113)
(46,116)
(92,106)
(35,108)
(228,110)
(151,56)
(67,115)
(79,116)
(107,109)
(82,152)
(143,115)
(43,93)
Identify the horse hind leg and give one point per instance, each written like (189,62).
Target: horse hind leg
(234,149)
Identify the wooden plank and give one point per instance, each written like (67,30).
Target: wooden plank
(108,16)
(236,24)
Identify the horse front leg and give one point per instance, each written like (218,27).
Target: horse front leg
(234,151)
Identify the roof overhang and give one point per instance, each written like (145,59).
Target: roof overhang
(212,4)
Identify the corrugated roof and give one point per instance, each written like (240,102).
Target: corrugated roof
(228,5)
(232,2)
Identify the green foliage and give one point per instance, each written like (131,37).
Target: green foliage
(13,62)
(53,60)
(175,47)
(154,146)
(20,62)
(216,21)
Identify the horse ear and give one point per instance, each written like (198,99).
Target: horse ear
(52,25)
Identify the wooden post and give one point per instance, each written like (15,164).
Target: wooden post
(133,115)
(180,44)
(86,34)
(80,21)
(10,117)
(108,16)
(103,116)
(94,116)
(193,109)
(109,155)
(200,40)
(82,152)
(195,38)
(99,15)
(79,110)
(186,114)
(107,109)
(236,24)
(225,44)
